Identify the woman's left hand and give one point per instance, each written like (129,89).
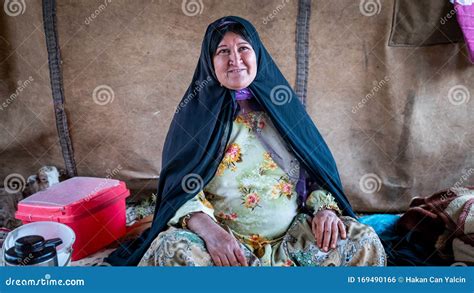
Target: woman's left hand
(327,227)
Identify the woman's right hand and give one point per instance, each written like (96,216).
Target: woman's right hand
(224,249)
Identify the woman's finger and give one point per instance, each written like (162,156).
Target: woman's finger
(327,234)
(319,232)
(232,259)
(239,254)
(334,234)
(224,261)
(216,260)
(342,229)
(313,228)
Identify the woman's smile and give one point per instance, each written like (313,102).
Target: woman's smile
(236,70)
(239,73)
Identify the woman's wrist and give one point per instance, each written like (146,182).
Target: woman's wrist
(200,223)
(331,208)
(184,220)
(321,199)
(325,210)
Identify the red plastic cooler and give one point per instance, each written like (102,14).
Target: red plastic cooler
(93,207)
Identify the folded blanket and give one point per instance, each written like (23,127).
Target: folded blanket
(400,249)
(444,222)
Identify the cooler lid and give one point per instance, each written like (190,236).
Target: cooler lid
(74,190)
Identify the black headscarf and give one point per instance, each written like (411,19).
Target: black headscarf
(201,127)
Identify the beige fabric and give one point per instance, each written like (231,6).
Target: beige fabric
(463,252)
(457,206)
(28,136)
(461,212)
(407,138)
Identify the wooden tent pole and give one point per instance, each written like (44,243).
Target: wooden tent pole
(55,74)
(302,48)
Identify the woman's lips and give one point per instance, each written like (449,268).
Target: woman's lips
(236,70)
(237,73)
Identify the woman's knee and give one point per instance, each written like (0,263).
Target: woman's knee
(176,235)
(356,230)
(367,247)
(177,247)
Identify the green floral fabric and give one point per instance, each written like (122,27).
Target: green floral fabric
(250,193)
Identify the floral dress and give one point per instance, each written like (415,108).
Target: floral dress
(253,196)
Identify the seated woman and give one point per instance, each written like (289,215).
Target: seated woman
(247,179)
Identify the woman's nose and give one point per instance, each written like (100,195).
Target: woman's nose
(234,58)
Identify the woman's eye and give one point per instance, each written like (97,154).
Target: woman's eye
(224,51)
(244,48)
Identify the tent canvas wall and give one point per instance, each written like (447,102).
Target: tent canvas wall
(397,118)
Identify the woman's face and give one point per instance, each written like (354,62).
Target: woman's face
(235,62)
